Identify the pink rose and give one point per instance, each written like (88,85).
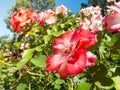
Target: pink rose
(92,24)
(22,18)
(61,9)
(112,21)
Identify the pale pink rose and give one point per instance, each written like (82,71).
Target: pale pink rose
(115,7)
(50,16)
(91,11)
(93,24)
(61,9)
(41,18)
(50,20)
(112,22)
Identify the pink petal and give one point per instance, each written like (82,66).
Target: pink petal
(54,62)
(90,59)
(112,22)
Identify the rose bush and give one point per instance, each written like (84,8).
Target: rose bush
(82,49)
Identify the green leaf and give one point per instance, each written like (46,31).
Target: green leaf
(108,40)
(54,28)
(27,54)
(1,56)
(116,80)
(57,33)
(21,86)
(57,86)
(115,56)
(102,79)
(49,31)
(39,48)
(47,38)
(107,87)
(17,44)
(39,61)
(115,37)
(59,81)
(62,25)
(21,63)
(84,86)
(111,40)
(1,72)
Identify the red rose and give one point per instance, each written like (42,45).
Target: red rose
(71,55)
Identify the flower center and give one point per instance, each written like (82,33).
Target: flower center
(67,50)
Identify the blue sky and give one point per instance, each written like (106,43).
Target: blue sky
(74,5)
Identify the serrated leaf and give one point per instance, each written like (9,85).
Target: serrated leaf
(115,37)
(27,54)
(62,25)
(39,61)
(116,80)
(59,81)
(17,44)
(57,33)
(57,86)
(111,40)
(21,86)
(84,86)
(49,32)
(54,28)
(0,71)
(21,63)
(1,56)
(115,57)
(47,38)
(39,48)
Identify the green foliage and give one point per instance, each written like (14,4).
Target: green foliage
(39,61)
(21,63)
(84,86)
(117,82)
(27,54)
(21,86)
(24,69)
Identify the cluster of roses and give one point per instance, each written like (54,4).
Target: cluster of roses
(71,51)
(22,18)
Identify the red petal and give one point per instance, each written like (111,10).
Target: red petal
(62,71)
(58,41)
(88,38)
(78,66)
